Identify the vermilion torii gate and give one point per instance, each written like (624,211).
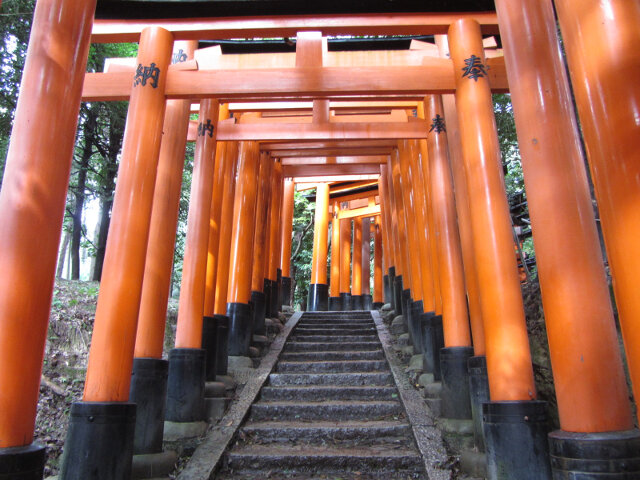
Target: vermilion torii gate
(432,263)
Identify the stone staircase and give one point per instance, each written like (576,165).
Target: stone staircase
(329,410)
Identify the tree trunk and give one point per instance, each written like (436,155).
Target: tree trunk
(101,240)
(63,254)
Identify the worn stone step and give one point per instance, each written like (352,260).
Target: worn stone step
(335,330)
(376,432)
(331,410)
(303,459)
(320,393)
(333,367)
(329,346)
(250,475)
(345,379)
(336,325)
(331,356)
(333,338)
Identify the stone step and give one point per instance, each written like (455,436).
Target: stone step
(332,338)
(319,393)
(333,367)
(343,379)
(374,459)
(331,356)
(328,346)
(375,432)
(335,330)
(334,410)
(336,325)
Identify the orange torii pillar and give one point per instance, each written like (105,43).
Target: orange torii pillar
(345,264)
(403,275)
(185,389)
(285,242)
(32,201)
(413,305)
(335,302)
(590,384)
(367,298)
(383,225)
(230,167)
(389,238)
(274,274)
(356,268)
(258,297)
(149,376)
(101,429)
(241,253)
(319,289)
(515,449)
(456,399)
(215,327)
(606,75)
(378,279)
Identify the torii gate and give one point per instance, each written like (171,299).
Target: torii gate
(582,335)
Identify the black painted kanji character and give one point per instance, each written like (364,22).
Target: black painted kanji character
(438,124)
(203,128)
(143,74)
(474,68)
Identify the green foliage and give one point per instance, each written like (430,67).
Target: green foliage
(508,138)
(181,234)
(302,246)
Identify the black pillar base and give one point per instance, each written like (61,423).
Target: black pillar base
(259,313)
(267,297)
(286,291)
(149,392)
(386,289)
(99,444)
(318,297)
(479,393)
(356,302)
(414,327)
(392,288)
(209,341)
(397,294)
(378,305)
(367,301)
(346,302)
(456,401)
(516,440)
(335,304)
(276,304)
(185,385)
(405,297)
(222,344)
(23,463)
(240,329)
(432,343)
(592,456)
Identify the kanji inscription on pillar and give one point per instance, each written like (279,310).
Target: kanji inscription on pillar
(204,128)
(438,125)
(144,74)
(179,57)
(474,68)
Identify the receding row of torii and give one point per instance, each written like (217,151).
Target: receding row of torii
(599,37)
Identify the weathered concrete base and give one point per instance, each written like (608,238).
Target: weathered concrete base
(425,379)
(229,383)
(455,425)
(433,390)
(474,463)
(236,362)
(215,408)
(273,326)
(386,307)
(398,326)
(403,340)
(254,352)
(415,364)
(174,431)
(153,465)
(214,389)
(408,350)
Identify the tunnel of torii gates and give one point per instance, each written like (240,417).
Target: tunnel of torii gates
(384,137)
